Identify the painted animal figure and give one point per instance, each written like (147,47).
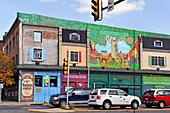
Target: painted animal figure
(101,58)
(114,50)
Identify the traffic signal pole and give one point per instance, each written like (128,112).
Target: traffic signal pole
(67,106)
(98,8)
(117,2)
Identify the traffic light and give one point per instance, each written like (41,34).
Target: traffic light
(97,7)
(65,68)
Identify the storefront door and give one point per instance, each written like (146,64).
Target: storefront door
(46,84)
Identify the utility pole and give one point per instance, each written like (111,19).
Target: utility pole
(67,106)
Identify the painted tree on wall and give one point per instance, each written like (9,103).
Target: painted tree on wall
(6,69)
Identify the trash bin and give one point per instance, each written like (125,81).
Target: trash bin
(1,86)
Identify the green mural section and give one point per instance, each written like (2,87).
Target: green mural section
(109,46)
(98,81)
(156,80)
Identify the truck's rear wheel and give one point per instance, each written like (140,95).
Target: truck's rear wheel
(106,105)
(161,104)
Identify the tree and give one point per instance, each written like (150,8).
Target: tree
(6,69)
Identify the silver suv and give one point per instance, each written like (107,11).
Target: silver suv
(106,98)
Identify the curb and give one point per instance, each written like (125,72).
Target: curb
(92,110)
(49,110)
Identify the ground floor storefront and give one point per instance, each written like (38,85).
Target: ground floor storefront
(76,80)
(130,83)
(156,82)
(37,86)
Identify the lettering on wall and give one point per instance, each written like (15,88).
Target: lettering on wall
(27,87)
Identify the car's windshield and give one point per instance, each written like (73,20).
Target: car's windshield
(69,91)
(94,92)
(150,92)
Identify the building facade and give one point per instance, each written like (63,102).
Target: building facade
(101,56)
(155,56)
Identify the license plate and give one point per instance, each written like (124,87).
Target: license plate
(146,98)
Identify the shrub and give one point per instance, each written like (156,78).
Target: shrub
(63,107)
(71,106)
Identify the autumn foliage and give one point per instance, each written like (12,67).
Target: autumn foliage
(6,68)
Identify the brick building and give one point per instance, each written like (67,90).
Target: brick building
(101,56)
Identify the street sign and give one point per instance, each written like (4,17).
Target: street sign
(110,5)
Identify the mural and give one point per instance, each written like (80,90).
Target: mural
(116,50)
(109,46)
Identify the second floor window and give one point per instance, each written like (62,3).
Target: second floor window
(74,56)
(37,54)
(7,50)
(37,37)
(10,46)
(157,61)
(17,37)
(13,42)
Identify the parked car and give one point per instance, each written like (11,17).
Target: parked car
(76,96)
(112,97)
(156,97)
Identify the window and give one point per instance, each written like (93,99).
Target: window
(13,42)
(7,50)
(161,92)
(75,37)
(53,81)
(158,61)
(86,91)
(77,92)
(158,43)
(38,81)
(112,92)
(120,92)
(94,92)
(17,37)
(74,56)
(16,59)
(103,92)
(10,46)
(37,54)
(151,92)
(13,59)
(37,36)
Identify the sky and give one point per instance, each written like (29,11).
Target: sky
(143,15)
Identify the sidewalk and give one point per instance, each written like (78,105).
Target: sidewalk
(22,103)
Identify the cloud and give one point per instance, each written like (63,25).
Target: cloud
(47,0)
(84,6)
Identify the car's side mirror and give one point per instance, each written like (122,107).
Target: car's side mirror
(73,94)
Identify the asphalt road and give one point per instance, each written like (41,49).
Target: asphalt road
(23,108)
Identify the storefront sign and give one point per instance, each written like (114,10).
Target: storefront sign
(47,73)
(27,87)
(76,76)
(125,79)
